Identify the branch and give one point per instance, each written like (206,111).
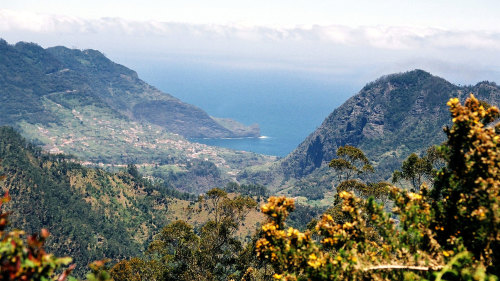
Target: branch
(410,267)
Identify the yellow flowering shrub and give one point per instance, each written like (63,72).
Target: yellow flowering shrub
(446,232)
(466,192)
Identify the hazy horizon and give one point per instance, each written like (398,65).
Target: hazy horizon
(356,41)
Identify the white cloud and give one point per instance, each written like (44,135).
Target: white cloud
(317,48)
(383,37)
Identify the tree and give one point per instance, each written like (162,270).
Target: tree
(352,161)
(179,252)
(466,192)
(20,260)
(212,201)
(173,253)
(26,262)
(414,169)
(133,171)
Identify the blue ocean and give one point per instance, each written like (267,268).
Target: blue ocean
(288,106)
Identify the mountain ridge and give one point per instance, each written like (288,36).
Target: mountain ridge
(389,119)
(403,105)
(81,103)
(30,72)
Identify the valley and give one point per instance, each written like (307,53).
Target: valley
(103,160)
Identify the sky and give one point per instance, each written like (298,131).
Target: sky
(329,39)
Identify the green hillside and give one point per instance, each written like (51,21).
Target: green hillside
(81,103)
(30,73)
(91,213)
(388,119)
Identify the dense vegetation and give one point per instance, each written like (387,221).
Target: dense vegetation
(180,252)
(26,259)
(92,213)
(449,231)
(445,229)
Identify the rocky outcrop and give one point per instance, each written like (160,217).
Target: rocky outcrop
(239,130)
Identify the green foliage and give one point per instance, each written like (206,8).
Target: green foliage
(302,216)
(377,190)
(311,192)
(27,260)
(77,204)
(466,191)
(132,170)
(20,260)
(99,271)
(179,252)
(352,161)
(253,190)
(196,177)
(414,169)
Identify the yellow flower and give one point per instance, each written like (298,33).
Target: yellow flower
(313,261)
(268,227)
(447,253)
(347,225)
(277,276)
(452,102)
(314,264)
(344,194)
(414,196)
(327,241)
(264,208)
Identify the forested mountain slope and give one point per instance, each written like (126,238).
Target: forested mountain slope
(29,74)
(81,103)
(388,119)
(91,213)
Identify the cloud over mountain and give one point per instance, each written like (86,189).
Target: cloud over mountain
(329,48)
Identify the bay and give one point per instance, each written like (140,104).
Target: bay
(287,105)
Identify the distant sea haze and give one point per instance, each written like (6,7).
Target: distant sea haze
(287,106)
